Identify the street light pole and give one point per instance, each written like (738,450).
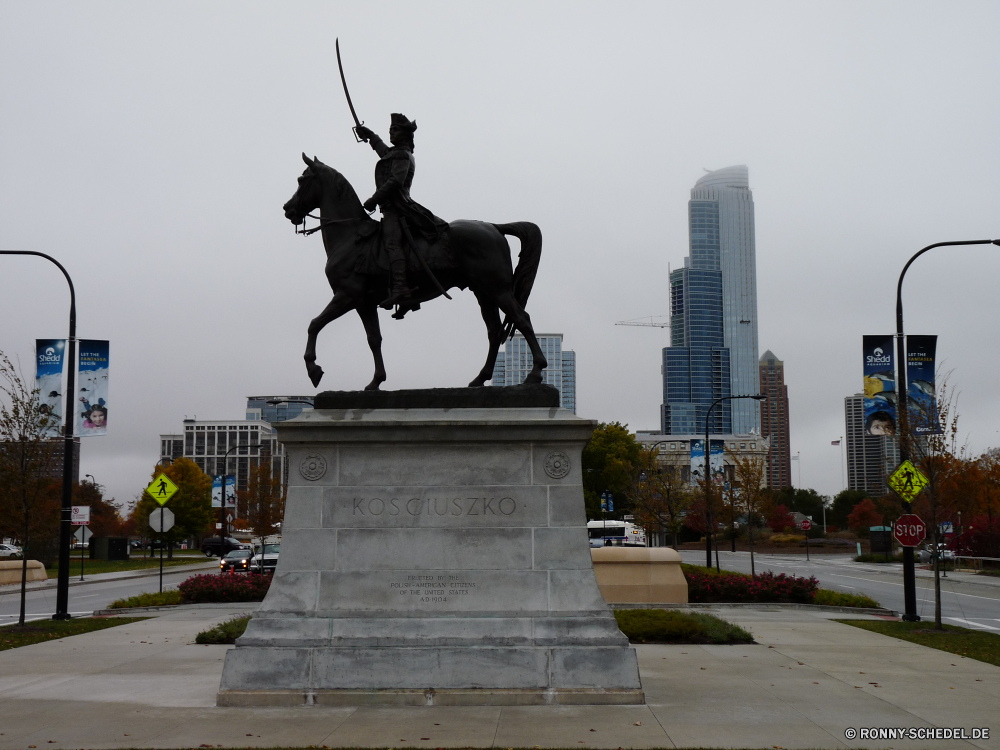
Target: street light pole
(225,466)
(909,572)
(65,527)
(708,496)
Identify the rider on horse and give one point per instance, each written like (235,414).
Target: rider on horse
(393,177)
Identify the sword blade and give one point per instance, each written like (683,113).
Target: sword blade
(343,80)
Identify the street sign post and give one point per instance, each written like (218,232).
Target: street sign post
(81,517)
(909,530)
(82,535)
(806,525)
(907,481)
(161,489)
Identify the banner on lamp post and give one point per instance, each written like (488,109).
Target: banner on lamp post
(50,356)
(93,415)
(920,387)
(715,460)
(880,386)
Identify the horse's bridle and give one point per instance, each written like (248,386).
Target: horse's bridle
(322,223)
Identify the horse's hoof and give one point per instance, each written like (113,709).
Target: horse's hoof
(477,383)
(373,386)
(315,374)
(532,379)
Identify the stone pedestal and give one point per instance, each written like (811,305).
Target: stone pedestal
(433,556)
(640,575)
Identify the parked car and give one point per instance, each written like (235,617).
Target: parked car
(9,552)
(237,561)
(925,554)
(266,561)
(213,546)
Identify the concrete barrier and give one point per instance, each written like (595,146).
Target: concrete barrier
(640,574)
(10,571)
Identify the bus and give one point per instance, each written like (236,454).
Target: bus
(615,534)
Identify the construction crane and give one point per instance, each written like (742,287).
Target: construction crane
(650,321)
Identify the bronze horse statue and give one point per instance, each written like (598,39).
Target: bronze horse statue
(481,262)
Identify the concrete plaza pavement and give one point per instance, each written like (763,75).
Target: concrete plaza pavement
(806,681)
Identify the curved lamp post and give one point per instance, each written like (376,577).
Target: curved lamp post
(709,530)
(65,527)
(909,575)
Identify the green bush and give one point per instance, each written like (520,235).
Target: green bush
(868,558)
(671,626)
(224,632)
(841,599)
(148,600)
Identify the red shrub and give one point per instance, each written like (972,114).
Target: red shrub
(780,519)
(737,587)
(224,588)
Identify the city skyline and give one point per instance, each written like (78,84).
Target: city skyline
(713,313)
(160,191)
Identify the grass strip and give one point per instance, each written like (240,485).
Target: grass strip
(93,567)
(974,644)
(671,626)
(224,632)
(39,631)
(151,599)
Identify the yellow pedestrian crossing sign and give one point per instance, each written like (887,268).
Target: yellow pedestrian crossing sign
(907,481)
(162,489)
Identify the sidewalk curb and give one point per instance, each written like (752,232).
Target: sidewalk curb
(762,606)
(172,608)
(153,572)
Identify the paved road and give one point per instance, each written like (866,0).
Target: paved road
(965,602)
(86,597)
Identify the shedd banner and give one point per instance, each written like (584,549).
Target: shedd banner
(715,462)
(93,416)
(50,355)
(880,386)
(920,388)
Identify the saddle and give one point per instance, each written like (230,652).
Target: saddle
(433,247)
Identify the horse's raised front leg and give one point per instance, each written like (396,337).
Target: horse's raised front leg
(369,316)
(516,314)
(494,329)
(337,307)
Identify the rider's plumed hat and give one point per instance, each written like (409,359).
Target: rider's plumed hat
(400,121)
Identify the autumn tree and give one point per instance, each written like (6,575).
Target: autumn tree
(609,463)
(748,495)
(29,506)
(105,516)
(940,457)
(191,504)
(864,516)
(660,500)
(262,504)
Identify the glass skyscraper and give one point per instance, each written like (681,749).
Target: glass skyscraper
(514,362)
(713,313)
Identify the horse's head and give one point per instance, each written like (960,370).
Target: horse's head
(323,187)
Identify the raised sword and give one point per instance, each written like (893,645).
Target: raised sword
(357,123)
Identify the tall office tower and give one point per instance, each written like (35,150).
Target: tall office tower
(774,420)
(870,458)
(713,313)
(514,362)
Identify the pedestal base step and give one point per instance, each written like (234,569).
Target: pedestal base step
(431,697)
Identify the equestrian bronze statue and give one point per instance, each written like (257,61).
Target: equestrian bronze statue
(411,256)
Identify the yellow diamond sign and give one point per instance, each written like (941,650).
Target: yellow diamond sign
(162,489)
(907,481)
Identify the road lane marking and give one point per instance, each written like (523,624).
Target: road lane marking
(970,622)
(923,588)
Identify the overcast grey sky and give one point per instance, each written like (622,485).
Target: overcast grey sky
(150,147)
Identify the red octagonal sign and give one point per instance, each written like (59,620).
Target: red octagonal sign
(910,530)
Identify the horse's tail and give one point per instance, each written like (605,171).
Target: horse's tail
(527,261)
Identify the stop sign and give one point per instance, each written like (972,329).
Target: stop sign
(806,524)
(909,530)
